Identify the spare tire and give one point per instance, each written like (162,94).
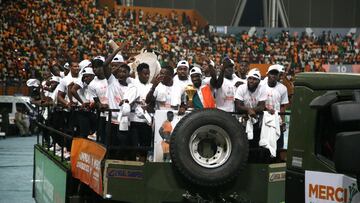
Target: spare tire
(209,147)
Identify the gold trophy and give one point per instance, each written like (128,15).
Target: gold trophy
(190,92)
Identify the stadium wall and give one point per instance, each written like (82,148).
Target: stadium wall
(305,13)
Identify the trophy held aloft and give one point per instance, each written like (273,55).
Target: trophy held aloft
(190,92)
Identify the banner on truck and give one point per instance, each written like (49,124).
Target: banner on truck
(330,188)
(86,157)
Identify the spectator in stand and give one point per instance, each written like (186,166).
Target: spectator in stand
(78,30)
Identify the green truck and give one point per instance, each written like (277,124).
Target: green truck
(209,151)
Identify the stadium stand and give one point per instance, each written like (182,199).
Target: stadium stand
(37,34)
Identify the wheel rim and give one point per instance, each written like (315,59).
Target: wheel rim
(210,146)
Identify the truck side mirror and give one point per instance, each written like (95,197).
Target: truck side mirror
(347,151)
(324,100)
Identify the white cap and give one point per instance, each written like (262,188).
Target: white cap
(277,67)
(183,63)
(255,73)
(67,66)
(273,67)
(83,64)
(118,59)
(195,70)
(55,78)
(88,71)
(100,58)
(228,62)
(33,83)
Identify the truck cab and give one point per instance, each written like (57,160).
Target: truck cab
(324,131)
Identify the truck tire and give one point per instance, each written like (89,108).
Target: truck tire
(209,147)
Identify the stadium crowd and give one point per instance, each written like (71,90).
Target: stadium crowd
(38,34)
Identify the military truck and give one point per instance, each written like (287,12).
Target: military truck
(209,151)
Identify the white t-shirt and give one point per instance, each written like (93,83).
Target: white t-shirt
(62,74)
(264,81)
(206,80)
(98,88)
(276,96)
(83,91)
(111,79)
(250,99)
(244,81)
(137,96)
(225,95)
(181,83)
(235,78)
(53,95)
(64,83)
(114,95)
(273,98)
(167,96)
(283,92)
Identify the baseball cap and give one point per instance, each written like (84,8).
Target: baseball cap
(195,70)
(83,64)
(183,63)
(101,58)
(33,82)
(66,66)
(273,68)
(118,59)
(88,71)
(228,62)
(255,73)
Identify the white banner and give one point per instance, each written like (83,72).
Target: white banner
(330,188)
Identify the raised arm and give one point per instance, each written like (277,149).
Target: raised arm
(107,68)
(220,79)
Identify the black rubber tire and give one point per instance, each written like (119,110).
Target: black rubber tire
(189,168)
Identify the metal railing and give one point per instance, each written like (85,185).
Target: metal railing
(66,138)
